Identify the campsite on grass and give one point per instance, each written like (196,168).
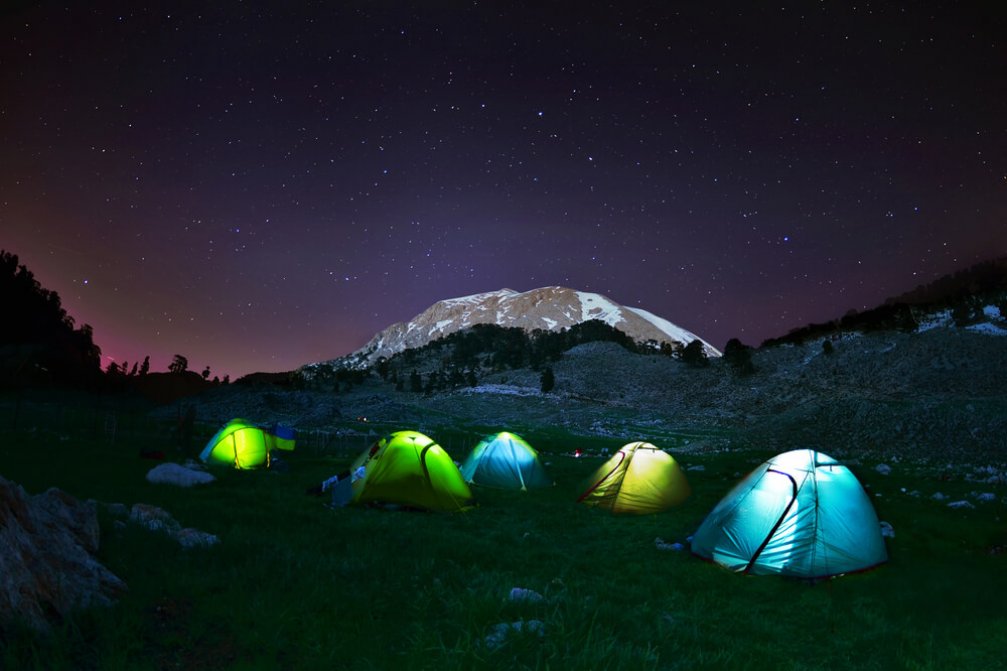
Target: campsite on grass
(519,578)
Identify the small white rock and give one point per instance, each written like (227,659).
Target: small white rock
(522,594)
(501,632)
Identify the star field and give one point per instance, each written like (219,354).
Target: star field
(259,185)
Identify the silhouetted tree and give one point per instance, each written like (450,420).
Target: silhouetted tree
(206,373)
(694,354)
(548,380)
(48,345)
(226,380)
(132,372)
(433,382)
(179,364)
(739,356)
(145,366)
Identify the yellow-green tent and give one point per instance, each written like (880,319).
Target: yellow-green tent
(245,445)
(410,469)
(639,479)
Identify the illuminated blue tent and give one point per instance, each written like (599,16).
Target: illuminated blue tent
(800,514)
(505,460)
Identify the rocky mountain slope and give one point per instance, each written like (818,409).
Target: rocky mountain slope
(937,395)
(932,390)
(547,308)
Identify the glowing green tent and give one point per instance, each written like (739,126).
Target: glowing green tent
(800,514)
(507,461)
(638,479)
(245,445)
(408,468)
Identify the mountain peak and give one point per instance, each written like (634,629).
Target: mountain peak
(550,308)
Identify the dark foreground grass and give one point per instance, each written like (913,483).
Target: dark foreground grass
(297,585)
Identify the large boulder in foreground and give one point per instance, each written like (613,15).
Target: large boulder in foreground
(47,563)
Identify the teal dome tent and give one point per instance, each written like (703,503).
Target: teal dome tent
(800,514)
(506,461)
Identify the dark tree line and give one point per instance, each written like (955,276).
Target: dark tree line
(40,342)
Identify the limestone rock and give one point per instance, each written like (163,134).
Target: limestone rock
(47,567)
(176,474)
(153,518)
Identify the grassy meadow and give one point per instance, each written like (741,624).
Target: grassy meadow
(295,584)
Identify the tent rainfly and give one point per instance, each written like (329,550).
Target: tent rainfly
(408,468)
(639,479)
(245,445)
(800,514)
(507,461)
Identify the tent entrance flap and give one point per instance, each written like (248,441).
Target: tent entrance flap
(596,485)
(779,521)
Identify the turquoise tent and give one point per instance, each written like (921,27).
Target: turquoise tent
(506,461)
(800,514)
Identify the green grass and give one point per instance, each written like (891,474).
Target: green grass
(297,585)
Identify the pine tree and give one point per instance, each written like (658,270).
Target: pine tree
(179,364)
(739,355)
(694,354)
(548,380)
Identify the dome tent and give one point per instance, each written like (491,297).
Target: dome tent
(639,479)
(408,468)
(800,514)
(507,461)
(245,445)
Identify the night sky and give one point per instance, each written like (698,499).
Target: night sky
(259,185)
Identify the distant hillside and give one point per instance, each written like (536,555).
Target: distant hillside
(962,295)
(980,279)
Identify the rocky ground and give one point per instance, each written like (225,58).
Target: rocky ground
(937,395)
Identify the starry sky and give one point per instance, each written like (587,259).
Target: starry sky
(259,185)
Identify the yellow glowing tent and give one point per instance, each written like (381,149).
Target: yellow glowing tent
(639,479)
